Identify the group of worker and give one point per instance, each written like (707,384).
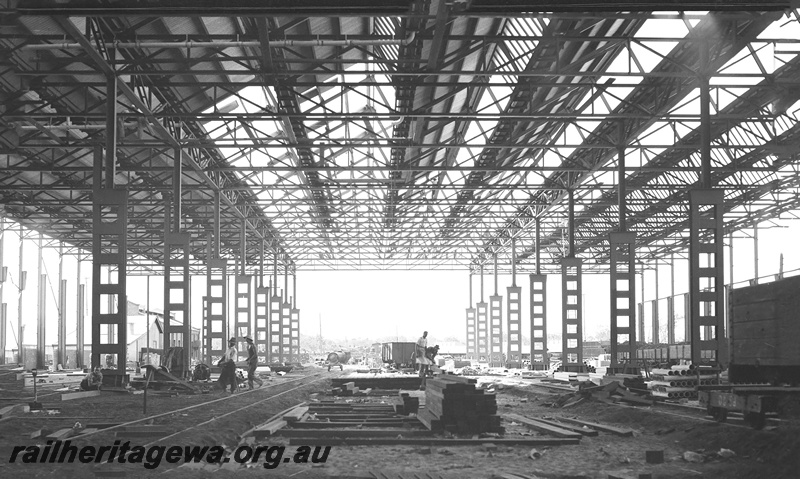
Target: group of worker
(227,375)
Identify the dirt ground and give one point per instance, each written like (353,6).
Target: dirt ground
(771,453)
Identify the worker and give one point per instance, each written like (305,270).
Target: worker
(228,363)
(421,358)
(93,381)
(252,363)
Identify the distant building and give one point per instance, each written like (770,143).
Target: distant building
(138,348)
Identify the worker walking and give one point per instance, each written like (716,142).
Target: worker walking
(93,381)
(252,363)
(228,363)
(421,358)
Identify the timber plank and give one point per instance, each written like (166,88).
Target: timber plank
(295,414)
(585,431)
(540,426)
(270,428)
(600,427)
(79,395)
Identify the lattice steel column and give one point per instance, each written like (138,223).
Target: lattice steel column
(483,347)
(261,338)
(177,325)
(286,329)
(294,343)
(496,333)
(3,273)
(540,359)
(275,332)
(623,298)
(109,298)
(242,310)
(514,350)
(472,344)
(572,331)
(216,309)
(706,292)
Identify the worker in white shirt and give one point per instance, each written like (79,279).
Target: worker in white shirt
(228,363)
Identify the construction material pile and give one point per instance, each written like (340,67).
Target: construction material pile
(454,404)
(679,381)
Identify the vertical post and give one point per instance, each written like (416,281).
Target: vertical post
(538,247)
(40,308)
(471,326)
(62,304)
(572,298)
(243,246)
(294,343)
(571,225)
(671,302)
(706,281)
(21,288)
(79,326)
(623,298)
(482,335)
(755,253)
(705,118)
(513,261)
(111,131)
(621,181)
(540,359)
(3,273)
(261,266)
(177,191)
(496,321)
(217,227)
(656,336)
(177,322)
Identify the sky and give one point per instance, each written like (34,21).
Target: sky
(382,304)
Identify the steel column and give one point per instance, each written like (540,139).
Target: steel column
(261,338)
(109,248)
(540,359)
(79,323)
(177,191)
(242,310)
(623,298)
(275,323)
(177,323)
(706,292)
(41,307)
(111,132)
(482,336)
(755,254)
(496,321)
(472,345)
(20,289)
(3,272)
(61,354)
(216,319)
(514,306)
(572,331)
(294,336)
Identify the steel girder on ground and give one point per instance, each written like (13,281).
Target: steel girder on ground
(423,136)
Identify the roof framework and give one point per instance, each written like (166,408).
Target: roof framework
(410,135)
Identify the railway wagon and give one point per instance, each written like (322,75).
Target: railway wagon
(765,333)
(398,354)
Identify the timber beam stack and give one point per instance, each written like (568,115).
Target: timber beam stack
(454,404)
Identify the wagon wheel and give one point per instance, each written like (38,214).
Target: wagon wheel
(756,420)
